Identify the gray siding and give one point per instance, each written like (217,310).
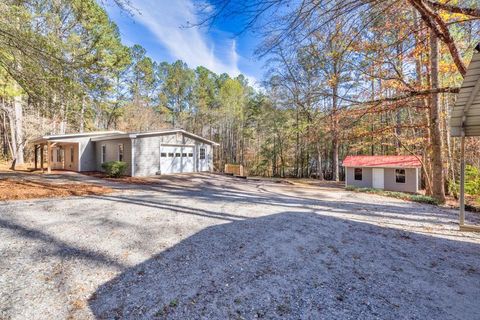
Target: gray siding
(87,155)
(146,155)
(147,152)
(410,184)
(366,181)
(112,153)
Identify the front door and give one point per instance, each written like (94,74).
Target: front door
(378,178)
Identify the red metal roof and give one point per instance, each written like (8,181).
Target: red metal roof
(382,161)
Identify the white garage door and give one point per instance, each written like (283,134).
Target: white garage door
(176,159)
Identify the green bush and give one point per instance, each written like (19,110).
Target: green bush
(114,169)
(472,182)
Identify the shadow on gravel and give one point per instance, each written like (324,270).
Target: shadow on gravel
(299,265)
(52,246)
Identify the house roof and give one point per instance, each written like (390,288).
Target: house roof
(465,114)
(382,161)
(110,135)
(56,137)
(151,133)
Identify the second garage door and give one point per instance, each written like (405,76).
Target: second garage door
(176,159)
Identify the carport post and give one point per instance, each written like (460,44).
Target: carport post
(36,156)
(41,156)
(462,180)
(49,156)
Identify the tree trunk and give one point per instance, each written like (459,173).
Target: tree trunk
(335,175)
(436,155)
(82,115)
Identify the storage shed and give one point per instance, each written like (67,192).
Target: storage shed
(146,153)
(395,173)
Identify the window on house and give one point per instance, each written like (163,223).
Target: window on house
(190,155)
(202,153)
(59,155)
(120,152)
(72,155)
(170,154)
(178,154)
(163,154)
(184,155)
(400,175)
(358,173)
(51,154)
(104,153)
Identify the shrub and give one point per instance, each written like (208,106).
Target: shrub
(114,169)
(472,183)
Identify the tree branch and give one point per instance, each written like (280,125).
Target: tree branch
(473,12)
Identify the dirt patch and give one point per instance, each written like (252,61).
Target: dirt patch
(26,167)
(471,203)
(18,189)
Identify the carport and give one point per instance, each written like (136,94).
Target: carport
(61,154)
(465,122)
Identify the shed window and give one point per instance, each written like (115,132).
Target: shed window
(104,153)
(358,173)
(202,153)
(400,175)
(120,152)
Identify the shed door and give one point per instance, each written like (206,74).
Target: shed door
(378,178)
(176,159)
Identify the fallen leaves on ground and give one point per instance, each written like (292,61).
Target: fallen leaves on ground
(18,189)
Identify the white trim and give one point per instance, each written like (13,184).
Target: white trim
(79,158)
(132,160)
(346,176)
(417,187)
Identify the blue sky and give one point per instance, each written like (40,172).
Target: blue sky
(159,26)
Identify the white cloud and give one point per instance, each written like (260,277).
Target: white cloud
(166,19)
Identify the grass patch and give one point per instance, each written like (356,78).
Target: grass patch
(395,194)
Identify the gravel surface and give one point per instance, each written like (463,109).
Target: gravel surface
(215,247)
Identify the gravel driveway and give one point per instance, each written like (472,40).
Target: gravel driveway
(215,247)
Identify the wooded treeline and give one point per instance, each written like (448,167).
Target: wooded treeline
(365,77)
(344,77)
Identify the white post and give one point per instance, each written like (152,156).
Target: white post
(462,180)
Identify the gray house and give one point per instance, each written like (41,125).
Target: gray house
(395,173)
(146,153)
